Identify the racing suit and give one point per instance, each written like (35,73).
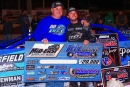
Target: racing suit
(78,33)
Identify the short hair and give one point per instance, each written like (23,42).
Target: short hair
(23,10)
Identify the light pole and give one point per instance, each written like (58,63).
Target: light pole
(43,3)
(29,6)
(68,4)
(19,4)
(88,4)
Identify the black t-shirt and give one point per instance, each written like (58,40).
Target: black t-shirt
(34,24)
(78,33)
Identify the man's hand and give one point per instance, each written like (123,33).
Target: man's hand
(85,23)
(45,41)
(86,42)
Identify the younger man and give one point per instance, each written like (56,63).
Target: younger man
(77,32)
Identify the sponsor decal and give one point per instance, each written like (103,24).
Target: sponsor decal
(84,61)
(70,29)
(49,50)
(63,78)
(83,73)
(32,61)
(106,61)
(111,43)
(104,36)
(11,79)
(75,36)
(9,67)
(12,58)
(80,51)
(110,52)
(30,73)
(63,72)
(42,72)
(106,52)
(42,78)
(103,40)
(121,72)
(51,78)
(82,54)
(6,67)
(62,67)
(30,79)
(30,67)
(44,67)
(126,33)
(54,72)
(124,51)
(57,29)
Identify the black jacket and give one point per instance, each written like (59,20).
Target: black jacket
(7,27)
(78,33)
(22,19)
(34,24)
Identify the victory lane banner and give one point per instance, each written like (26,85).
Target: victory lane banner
(125,53)
(123,74)
(110,53)
(58,61)
(11,67)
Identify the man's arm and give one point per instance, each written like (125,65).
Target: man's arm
(11,26)
(89,35)
(19,19)
(67,33)
(125,19)
(85,22)
(117,20)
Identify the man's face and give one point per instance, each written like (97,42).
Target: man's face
(57,12)
(98,16)
(120,12)
(6,19)
(24,12)
(35,17)
(73,15)
(100,21)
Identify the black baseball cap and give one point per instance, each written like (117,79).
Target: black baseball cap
(71,9)
(57,3)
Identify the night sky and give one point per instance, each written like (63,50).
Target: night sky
(100,4)
(78,4)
